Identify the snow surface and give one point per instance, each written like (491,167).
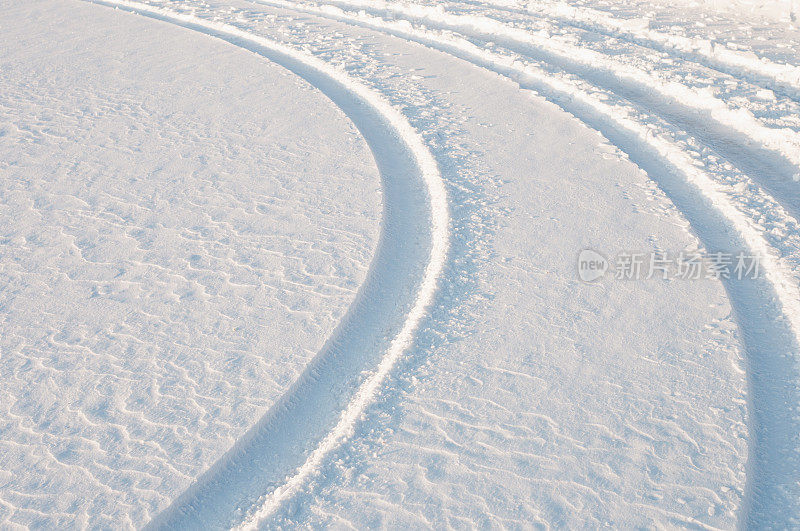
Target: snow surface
(177,243)
(277,263)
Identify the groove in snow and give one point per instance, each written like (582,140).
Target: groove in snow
(426,288)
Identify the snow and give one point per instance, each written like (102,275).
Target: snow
(765,10)
(175,249)
(280,263)
(545,422)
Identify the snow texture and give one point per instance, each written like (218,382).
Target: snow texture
(279,263)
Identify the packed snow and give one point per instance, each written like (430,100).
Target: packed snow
(399,264)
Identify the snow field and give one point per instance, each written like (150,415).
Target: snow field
(472,379)
(169,264)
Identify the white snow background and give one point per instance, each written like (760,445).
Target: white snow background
(280,263)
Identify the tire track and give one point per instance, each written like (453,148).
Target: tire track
(771,156)
(274,459)
(783,79)
(592,111)
(767,309)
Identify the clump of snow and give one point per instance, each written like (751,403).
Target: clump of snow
(765,94)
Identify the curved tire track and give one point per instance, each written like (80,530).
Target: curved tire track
(769,156)
(783,79)
(287,445)
(767,309)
